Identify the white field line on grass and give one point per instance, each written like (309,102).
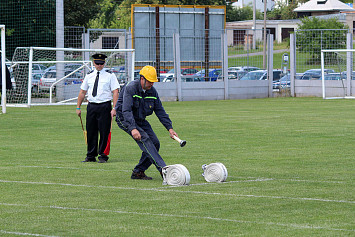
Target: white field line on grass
(182,191)
(296,226)
(255,179)
(20,233)
(228,182)
(251,179)
(69,168)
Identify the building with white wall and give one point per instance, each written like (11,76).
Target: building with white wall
(281,29)
(259,4)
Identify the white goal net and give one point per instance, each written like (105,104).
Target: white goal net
(52,76)
(337,74)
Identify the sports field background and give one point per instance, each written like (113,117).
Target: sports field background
(290,162)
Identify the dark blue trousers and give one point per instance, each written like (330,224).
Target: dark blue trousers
(149,144)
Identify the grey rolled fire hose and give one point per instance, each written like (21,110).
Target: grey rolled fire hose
(175,175)
(214,172)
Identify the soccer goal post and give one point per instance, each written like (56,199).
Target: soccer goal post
(3,74)
(337,74)
(53,76)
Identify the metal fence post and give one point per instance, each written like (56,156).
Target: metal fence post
(177,66)
(270,65)
(349,63)
(292,63)
(225,65)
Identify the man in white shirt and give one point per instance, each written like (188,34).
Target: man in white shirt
(101,86)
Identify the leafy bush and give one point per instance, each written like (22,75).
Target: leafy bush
(316,34)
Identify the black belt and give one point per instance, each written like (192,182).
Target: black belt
(109,101)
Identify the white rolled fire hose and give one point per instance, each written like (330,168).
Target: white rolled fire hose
(214,172)
(175,175)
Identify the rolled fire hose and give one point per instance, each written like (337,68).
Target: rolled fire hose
(214,172)
(176,175)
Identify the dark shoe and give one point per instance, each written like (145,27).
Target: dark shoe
(103,159)
(140,175)
(87,159)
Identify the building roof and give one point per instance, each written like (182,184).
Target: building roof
(323,6)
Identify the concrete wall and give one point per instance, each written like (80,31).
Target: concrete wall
(313,88)
(194,91)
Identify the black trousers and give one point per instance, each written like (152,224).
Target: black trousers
(98,120)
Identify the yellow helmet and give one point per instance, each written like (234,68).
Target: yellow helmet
(149,73)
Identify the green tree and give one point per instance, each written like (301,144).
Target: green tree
(80,12)
(242,14)
(315,34)
(117,14)
(28,23)
(283,11)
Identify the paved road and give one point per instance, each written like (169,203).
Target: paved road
(257,53)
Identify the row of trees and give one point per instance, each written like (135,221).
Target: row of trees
(117,13)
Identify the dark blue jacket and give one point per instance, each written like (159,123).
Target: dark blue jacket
(134,105)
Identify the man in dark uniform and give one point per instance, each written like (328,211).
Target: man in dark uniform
(7,76)
(137,100)
(102,86)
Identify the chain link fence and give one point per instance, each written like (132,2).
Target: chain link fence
(309,44)
(246,49)
(200,51)
(74,37)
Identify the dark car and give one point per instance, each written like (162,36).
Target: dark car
(315,74)
(285,81)
(213,75)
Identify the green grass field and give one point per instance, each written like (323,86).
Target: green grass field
(290,163)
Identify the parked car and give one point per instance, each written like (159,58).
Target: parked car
(285,81)
(67,67)
(50,77)
(163,70)
(334,76)
(236,75)
(38,68)
(315,74)
(262,75)
(243,68)
(213,75)
(184,71)
(343,74)
(118,69)
(36,77)
(187,78)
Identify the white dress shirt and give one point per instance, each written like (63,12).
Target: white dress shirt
(107,83)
